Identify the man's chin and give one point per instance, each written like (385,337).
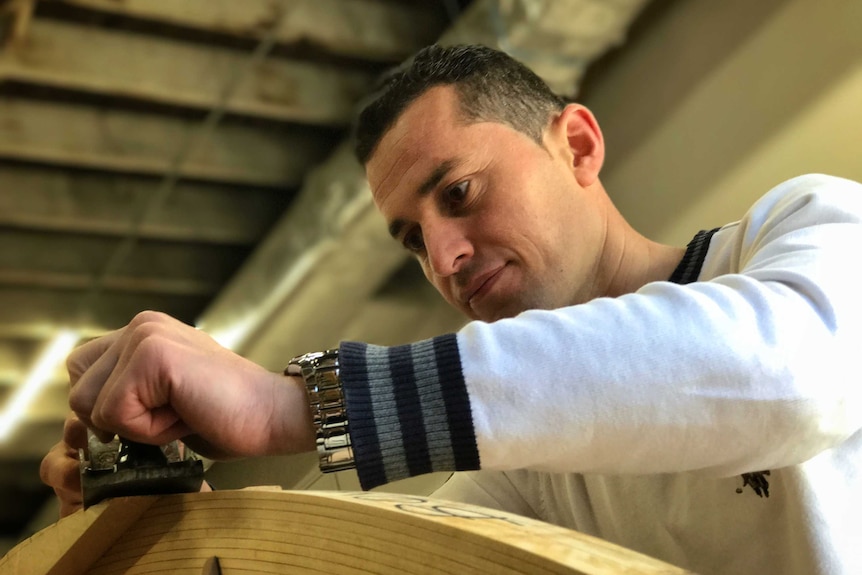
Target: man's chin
(497,312)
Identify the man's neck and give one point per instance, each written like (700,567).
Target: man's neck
(634,261)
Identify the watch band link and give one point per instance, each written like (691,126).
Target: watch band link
(320,371)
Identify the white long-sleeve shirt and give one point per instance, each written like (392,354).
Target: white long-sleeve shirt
(633,418)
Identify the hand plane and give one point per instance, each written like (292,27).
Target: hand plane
(122,468)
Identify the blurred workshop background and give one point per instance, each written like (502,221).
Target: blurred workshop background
(192,156)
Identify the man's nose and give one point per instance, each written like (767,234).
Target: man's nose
(448,247)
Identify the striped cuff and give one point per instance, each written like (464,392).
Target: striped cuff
(408,409)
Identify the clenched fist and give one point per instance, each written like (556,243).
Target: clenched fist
(158,379)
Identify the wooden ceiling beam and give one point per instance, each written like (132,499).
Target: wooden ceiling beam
(31,309)
(147,144)
(366,29)
(57,200)
(74,281)
(175,73)
(15,17)
(70,261)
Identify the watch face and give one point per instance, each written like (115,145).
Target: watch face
(312,361)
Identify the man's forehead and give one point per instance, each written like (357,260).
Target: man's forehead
(417,141)
(393,158)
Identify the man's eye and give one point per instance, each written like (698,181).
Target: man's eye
(413,241)
(458,192)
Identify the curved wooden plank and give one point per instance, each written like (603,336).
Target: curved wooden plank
(70,546)
(321,532)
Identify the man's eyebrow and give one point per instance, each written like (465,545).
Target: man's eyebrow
(434,178)
(431,182)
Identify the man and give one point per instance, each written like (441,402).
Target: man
(640,392)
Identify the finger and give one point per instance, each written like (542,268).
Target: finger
(90,384)
(89,367)
(69,495)
(61,471)
(75,432)
(86,354)
(120,374)
(136,399)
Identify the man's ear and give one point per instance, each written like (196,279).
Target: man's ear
(578,131)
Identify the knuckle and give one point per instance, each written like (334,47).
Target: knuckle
(82,357)
(106,418)
(148,316)
(78,403)
(143,336)
(145,326)
(74,367)
(69,425)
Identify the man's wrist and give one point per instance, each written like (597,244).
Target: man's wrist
(320,373)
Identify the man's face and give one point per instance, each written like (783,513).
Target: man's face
(499,223)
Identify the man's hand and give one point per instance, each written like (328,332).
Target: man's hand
(60,468)
(157,380)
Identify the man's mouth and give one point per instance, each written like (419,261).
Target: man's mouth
(481,285)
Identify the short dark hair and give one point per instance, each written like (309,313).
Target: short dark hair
(491,86)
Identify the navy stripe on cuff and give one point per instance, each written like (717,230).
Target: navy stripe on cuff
(408,409)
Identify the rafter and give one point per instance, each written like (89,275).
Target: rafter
(58,200)
(75,281)
(23,309)
(176,73)
(146,143)
(15,17)
(367,29)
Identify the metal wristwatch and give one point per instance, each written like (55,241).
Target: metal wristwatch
(320,372)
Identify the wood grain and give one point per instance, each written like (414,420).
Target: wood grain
(314,532)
